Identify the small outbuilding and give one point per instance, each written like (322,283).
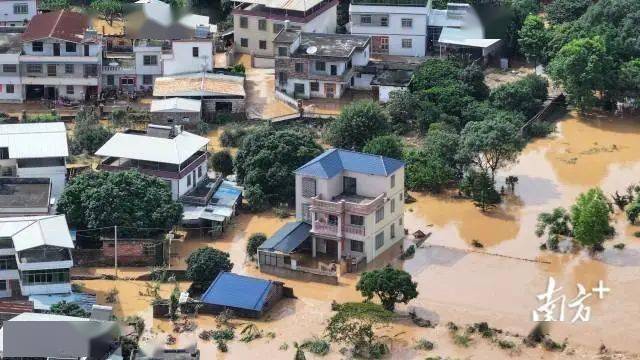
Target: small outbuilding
(246,296)
(176,111)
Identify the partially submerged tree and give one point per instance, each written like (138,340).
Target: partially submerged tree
(590,219)
(555,224)
(255,240)
(390,285)
(358,123)
(204,264)
(480,187)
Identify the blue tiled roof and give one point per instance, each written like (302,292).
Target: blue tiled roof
(237,291)
(333,162)
(287,238)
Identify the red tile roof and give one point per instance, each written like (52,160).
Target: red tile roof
(63,25)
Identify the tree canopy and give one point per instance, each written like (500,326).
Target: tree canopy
(386,145)
(254,242)
(266,159)
(525,95)
(534,39)
(561,11)
(88,134)
(358,123)
(128,199)
(69,309)
(590,218)
(110,10)
(204,264)
(390,285)
(222,162)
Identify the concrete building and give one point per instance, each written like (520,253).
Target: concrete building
(257,22)
(175,156)
(35,151)
(317,65)
(60,57)
(171,111)
(25,197)
(35,256)
(11,89)
(15,14)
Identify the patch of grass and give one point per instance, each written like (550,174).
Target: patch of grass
(424,344)
(316,345)
(224,334)
(463,340)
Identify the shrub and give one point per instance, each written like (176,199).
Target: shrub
(463,340)
(222,162)
(506,344)
(232,136)
(255,240)
(316,345)
(424,344)
(619,246)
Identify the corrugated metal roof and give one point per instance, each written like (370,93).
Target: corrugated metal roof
(176,105)
(150,148)
(334,161)
(287,238)
(33,231)
(38,140)
(237,291)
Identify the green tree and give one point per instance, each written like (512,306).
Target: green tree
(582,67)
(480,187)
(630,77)
(555,224)
(533,39)
(88,134)
(633,211)
(110,10)
(128,199)
(525,95)
(353,324)
(68,309)
(434,72)
(590,218)
(390,285)
(450,98)
(490,144)
(266,159)
(562,11)
(426,171)
(255,240)
(53,5)
(120,118)
(358,123)
(473,76)
(403,107)
(204,264)
(524,8)
(386,145)
(222,162)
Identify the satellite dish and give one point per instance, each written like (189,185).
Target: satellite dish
(312,50)
(113,63)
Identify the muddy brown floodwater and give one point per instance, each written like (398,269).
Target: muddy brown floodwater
(457,284)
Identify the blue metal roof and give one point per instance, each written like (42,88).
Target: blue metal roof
(333,162)
(238,291)
(287,238)
(226,195)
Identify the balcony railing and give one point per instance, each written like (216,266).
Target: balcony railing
(350,231)
(355,230)
(159,170)
(342,206)
(118,69)
(323,228)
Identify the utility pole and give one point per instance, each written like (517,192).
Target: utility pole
(115,237)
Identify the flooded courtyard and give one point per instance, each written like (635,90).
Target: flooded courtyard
(458,282)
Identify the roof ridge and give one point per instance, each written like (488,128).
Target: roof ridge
(53,28)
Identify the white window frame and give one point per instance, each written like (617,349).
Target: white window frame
(407,22)
(407,43)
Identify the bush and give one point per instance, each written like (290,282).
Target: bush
(317,346)
(506,344)
(463,340)
(204,264)
(69,309)
(222,162)
(255,240)
(42,118)
(232,136)
(424,344)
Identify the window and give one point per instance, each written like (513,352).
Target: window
(262,24)
(349,185)
(315,86)
(150,60)
(3,285)
(321,66)
(45,277)
(393,205)
(127,81)
(244,22)
(282,78)
(379,240)
(9,68)
(379,214)
(277,28)
(10,88)
(70,47)
(332,220)
(20,8)
(282,51)
(393,181)
(298,88)
(8,262)
(262,44)
(392,231)
(406,44)
(37,46)
(70,90)
(111,80)
(147,79)
(68,68)
(365,19)
(357,246)
(308,187)
(34,68)
(384,21)
(407,23)
(384,43)
(195,51)
(244,42)
(357,220)
(188,180)
(299,67)
(200,172)
(51,70)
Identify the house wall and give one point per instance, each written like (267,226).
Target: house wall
(181,187)
(141,68)
(95,50)
(9,18)
(10,78)
(62,288)
(188,120)
(394,31)
(182,61)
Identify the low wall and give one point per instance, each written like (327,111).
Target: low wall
(262,62)
(299,274)
(286,99)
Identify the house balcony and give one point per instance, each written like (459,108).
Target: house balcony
(161,170)
(118,70)
(44,258)
(201,194)
(344,203)
(333,230)
(67,59)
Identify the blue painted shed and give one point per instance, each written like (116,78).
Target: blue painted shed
(246,296)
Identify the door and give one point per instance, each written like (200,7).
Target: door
(50,93)
(56,49)
(334,70)
(349,185)
(86,50)
(330,90)
(332,248)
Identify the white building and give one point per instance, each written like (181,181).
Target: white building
(35,151)
(257,22)
(353,201)
(175,156)
(11,90)
(60,57)
(317,65)
(35,256)
(17,13)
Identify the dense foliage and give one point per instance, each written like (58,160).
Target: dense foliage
(358,123)
(128,199)
(88,134)
(590,218)
(255,240)
(266,161)
(68,309)
(386,145)
(390,285)
(222,162)
(110,10)
(354,324)
(204,264)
